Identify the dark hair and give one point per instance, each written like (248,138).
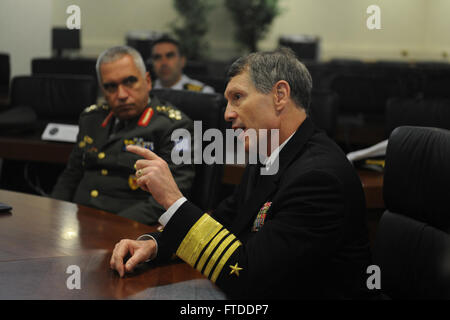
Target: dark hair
(267,68)
(168,39)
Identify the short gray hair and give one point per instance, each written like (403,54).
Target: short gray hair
(115,53)
(267,68)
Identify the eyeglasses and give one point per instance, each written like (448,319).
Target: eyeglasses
(111,87)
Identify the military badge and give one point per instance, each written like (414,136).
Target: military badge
(138,142)
(261,217)
(132,182)
(170,112)
(92,107)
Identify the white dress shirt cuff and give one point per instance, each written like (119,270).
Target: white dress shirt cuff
(165,217)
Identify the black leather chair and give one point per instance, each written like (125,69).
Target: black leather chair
(324,111)
(436,82)
(54,97)
(417,112)
(77,66)
(5,71)
(209,109)
(412,246)
(366,92)
(80,66)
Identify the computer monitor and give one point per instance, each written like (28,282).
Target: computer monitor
(305,47)
(63,38)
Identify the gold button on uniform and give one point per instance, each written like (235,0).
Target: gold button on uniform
(101,155)
(94,193)
(104,172)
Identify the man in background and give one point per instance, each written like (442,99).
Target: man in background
(100,172)
(168,63)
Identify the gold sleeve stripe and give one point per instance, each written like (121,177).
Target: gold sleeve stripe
(224,259)
(197,238)
(217,254)
(210,248)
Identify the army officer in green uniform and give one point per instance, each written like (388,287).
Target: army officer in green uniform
(100,172)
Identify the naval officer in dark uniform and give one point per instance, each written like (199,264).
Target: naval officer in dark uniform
(100,172)
(297,233)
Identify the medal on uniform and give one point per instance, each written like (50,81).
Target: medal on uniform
(137,141)
(261,217)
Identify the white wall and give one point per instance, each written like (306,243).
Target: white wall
(419,28)
(437,30)
(342,26)
(104,23)
(25,32)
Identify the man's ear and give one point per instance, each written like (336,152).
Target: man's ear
(281,93)
(148,81)
(183,61)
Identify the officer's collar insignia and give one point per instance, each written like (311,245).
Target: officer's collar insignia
(261,217)
(132,182)
(108,117)
(144,120)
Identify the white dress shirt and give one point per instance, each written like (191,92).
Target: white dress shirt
(184,80)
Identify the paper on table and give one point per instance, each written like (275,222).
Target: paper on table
(376,150)
(60,132)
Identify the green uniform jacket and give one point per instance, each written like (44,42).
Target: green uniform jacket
(100,172)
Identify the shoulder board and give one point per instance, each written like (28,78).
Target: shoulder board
(193,87)
(170,111)
(95,107)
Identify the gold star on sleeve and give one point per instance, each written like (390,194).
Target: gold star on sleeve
(235,269)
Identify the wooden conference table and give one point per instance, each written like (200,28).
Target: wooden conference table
(41,238)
